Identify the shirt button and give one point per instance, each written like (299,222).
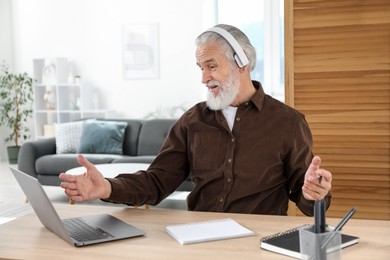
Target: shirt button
(238,119)
(232,140)
(229,160)
(221,200)
(229,180)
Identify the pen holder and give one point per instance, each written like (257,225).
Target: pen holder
(319,246)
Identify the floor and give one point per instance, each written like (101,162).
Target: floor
(12,199)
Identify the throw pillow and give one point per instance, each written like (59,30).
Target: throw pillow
(68,136)
(105,137)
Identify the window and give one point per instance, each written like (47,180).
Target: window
(263,23)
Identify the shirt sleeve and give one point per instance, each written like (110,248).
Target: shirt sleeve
(165,174)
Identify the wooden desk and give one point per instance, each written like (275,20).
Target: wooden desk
(26,238)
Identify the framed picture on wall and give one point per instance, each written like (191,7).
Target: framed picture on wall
(140,51)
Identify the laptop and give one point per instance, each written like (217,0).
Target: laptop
(80,231)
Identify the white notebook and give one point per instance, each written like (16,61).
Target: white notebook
(207,231)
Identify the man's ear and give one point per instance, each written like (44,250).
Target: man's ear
(243,69)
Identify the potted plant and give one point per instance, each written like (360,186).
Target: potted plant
(16,97)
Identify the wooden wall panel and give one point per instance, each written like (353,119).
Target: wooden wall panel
(339,77)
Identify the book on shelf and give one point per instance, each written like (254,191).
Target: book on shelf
(197,232)
(287,242)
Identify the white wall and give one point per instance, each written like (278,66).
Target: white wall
(89,34)
(6,53)
(6,49)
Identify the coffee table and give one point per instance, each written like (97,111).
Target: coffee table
(111,170)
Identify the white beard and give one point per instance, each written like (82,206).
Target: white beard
(227,93)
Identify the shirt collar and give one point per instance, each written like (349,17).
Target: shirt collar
(258,98)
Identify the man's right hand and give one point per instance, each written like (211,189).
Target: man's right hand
(88,186)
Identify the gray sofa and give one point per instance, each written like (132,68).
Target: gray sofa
(142,142)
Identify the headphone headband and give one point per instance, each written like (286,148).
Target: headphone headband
(239,55)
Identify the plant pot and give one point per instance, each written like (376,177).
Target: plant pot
(13,153)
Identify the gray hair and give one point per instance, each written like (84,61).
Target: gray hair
(241,38)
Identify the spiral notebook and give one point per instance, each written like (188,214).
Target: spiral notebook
(197,232)
(287,242)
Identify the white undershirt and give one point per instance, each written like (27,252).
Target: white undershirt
(230,114)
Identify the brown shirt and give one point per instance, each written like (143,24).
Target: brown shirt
(255,168)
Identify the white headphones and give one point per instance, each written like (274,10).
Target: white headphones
(239,56)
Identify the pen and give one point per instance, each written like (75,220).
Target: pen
(345,219)
(323,212)
(319,216)
(340,226)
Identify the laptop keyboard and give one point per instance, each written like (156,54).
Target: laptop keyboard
(82,232)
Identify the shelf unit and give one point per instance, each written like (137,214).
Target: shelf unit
(58,101)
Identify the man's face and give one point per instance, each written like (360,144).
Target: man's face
(218,74)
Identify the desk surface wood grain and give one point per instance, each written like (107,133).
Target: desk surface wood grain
(26,238)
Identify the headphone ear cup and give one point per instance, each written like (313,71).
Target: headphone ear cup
(238,61)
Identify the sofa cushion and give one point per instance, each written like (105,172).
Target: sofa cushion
(152,135)
(135,159)
(68,136)
(130,141)
(105,137)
